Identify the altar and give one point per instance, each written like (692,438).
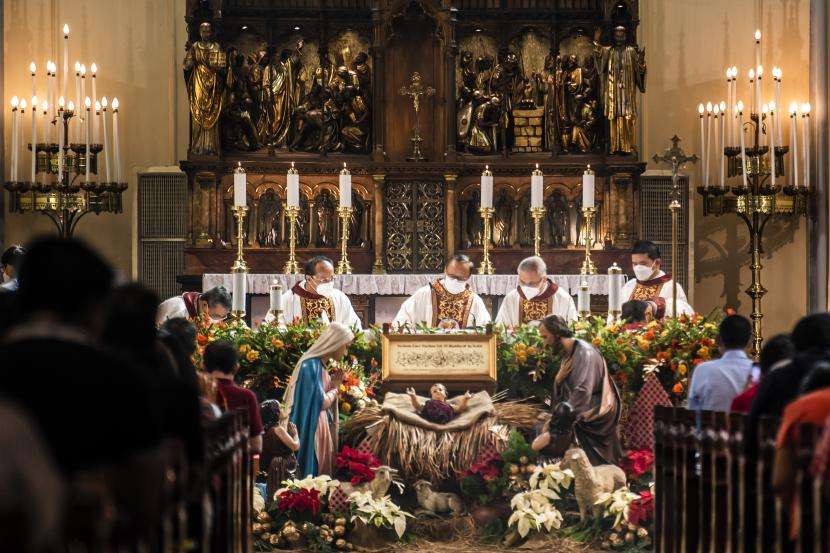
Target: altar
(377,298)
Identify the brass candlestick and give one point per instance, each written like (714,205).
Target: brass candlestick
(239,268)
(486,267)
(537,213)
(343,266)
(292,266)
(588,267)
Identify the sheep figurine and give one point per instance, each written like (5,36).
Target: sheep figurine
(384,477)
(437,502)
(591,481)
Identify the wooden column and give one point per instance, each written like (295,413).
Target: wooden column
(449,213)
(450,53)
(377,266)
(378,103)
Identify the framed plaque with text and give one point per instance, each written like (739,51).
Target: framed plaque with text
(460,361)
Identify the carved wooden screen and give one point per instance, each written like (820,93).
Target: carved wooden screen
(414,226)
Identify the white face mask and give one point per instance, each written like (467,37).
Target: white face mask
(642,272)
(530,292)
(453,285)
(325,289)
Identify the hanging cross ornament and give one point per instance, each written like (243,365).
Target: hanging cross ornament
(677,158)
(415,90)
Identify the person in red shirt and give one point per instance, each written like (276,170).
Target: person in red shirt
(776,349)
(221,361)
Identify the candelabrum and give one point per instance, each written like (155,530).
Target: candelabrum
(486,266)
(755,203)
(343,266)
(677,158)
(66,193)
(588,267)
(239,268)
(292,266)
(537,213)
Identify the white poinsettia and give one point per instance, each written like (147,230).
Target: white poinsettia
(551,476)
(382,513)
(533,510)
(616,503)
(323,484)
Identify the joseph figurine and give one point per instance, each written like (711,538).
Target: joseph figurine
(203,64)
(622,71)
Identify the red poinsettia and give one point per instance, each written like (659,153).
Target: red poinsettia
(641,510)
(637,462)
(355,466)
(300,501)
(487,466)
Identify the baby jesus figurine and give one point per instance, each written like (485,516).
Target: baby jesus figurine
(437,409)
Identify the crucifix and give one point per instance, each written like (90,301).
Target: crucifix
(415,90)
(677,158)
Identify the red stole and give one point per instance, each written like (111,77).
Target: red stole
(191,302)
(313,304)
(539,306)
(649,290)
(450,306)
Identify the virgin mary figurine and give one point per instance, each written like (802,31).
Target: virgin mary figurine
(311,401)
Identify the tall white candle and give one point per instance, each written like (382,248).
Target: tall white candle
(60,138)
(583,298)
(708,161)
(65,75)
(97,117)
(777,74)
(34,139)
(292,187)
(805,109)
(116,141)
(44,109)
(15,103)
(275,296)
(615,277)
(759,74)
(87,121)
(771,139)
(20,141)
(751,76)
(700,110)
(733,139)
(345,185)
(537,184)
(78,102)
(94,70)
(487,188)
(743,146)
(49,100)
(239,289)
(240,186)
(106,139)
(588,188)
(33,71)
(757,52)
(83,93)
(728,89)
(794,142)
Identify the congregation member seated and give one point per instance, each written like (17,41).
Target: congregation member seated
(715,383)
(215,304)
(279,446)
(91,407)
(221,361)
(10,266)
(776,350)
(448,302)
(316,298)
(535,297)
(584,383)
(651,284)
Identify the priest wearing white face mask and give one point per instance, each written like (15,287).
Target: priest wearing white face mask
(535,297)
(215,304)
(316,297)
(446,303)
(652,284)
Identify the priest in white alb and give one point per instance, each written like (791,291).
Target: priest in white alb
(535,297)
(446,303)
(315,298)
(215,304)
(651,284)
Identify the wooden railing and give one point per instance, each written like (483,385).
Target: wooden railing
(713,494)
(156,502)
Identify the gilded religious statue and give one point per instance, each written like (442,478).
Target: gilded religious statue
(282,89)
(204,67)
(622,71)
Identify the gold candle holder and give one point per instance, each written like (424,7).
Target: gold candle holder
(588,267)
(239,268)
(486,267)
(292,266)
(343,266)
(537,213)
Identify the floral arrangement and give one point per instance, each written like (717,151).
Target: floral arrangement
(356,467)
(550,476)
(485,481)
(637,462)
(616,504)
(533,510)
(323,484)
(358,387)
(380,513)
(524,362)
(299,503)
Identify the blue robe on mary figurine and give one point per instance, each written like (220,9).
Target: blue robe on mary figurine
(313,417)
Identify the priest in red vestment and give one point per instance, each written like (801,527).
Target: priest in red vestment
(651,284)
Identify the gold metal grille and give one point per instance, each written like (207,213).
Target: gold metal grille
(655,225)
(162,224)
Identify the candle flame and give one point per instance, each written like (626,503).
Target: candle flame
(87,102)
(34,101)
(292,164)
(764,108)
(97,107)
(61,102)
(104,102)
(115,104)
(805,108)
(93,68)
(700,109)
(716,109)
(537,165)
(83,70)
(70,106)
(757,35)
(22,104)
(77,67)
(760,71)
(708,107)
(723,106)
(740,106)
(65,30)
(15,101)
(32,68)
(751,74)
(793,108)
(772,106)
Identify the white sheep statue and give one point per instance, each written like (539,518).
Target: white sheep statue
(591,481)
(437,502)
(385,476)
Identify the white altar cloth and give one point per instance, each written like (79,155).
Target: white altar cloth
(405,284)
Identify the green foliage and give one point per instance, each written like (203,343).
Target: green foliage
(518,448)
